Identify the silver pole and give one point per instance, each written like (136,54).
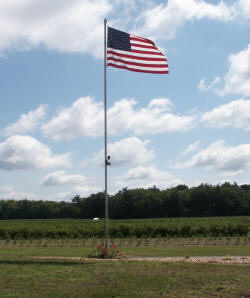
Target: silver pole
(105,136)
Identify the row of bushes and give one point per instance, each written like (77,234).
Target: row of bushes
(126,230)
(178,231)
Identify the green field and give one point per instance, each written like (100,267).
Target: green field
(26,277)
(139,228)
(23,274)
(129,251)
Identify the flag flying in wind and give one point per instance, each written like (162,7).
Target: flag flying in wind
(134,53)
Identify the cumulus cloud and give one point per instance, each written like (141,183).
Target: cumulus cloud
(175,13)
(77,25)
(156,118)
(6,188)
(234,114)
(236,80)
(86,190)
(147,176)
(220,157)
(81,190)
(61,178)
(71,26)
(26,122)
(129,151)
(62,196)
(8,193)
(162,104)
(243,7)
(85,118)
(24,152)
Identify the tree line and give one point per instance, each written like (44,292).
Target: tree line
(181,201)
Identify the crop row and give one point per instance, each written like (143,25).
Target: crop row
(124,230)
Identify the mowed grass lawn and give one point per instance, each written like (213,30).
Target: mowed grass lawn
(27,277)
(130,251)
(24,276)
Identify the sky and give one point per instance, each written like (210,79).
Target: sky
(190,126)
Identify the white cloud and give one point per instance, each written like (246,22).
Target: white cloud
(60,178)
(71,26)
(85,118)
(237,79)
(77,25)
(175,13)
(191,148)
(203,87)
(62,196)
(81,190)
(244,8)
(162,104)
(153,119)
(24,152)
(86,190)
(148,176)
(26,122)
(235,114)
(8,193)
(6,188)
(129,151)
(220,157)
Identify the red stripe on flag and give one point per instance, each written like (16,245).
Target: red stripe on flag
(141,39)
(143,46)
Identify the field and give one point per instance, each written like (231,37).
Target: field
(164,228)
(26,277)
(24,274)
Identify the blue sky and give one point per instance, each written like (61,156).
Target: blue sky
(188,127)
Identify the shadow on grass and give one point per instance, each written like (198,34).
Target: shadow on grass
(47,262)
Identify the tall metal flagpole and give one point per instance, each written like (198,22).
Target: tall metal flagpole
(105,136)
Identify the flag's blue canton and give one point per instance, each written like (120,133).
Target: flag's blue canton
(118,40)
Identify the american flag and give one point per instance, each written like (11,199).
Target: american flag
(134,53)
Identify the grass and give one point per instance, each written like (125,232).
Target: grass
(130,251)
(192,251)
(161,247)
(25,277)
(32,277)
